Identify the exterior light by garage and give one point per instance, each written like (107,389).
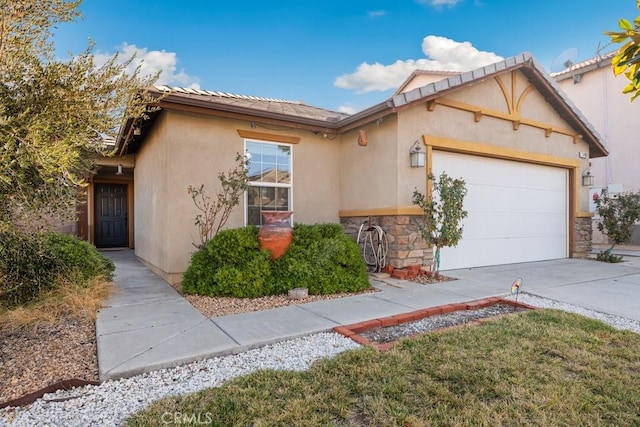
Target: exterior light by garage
(587,178)
(418,157)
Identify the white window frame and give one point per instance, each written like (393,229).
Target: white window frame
(271,184)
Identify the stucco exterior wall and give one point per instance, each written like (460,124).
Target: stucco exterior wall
(151,219)
(599,96)
(192,149)
(316,179)
(336,178)
(456,124)
(369,173)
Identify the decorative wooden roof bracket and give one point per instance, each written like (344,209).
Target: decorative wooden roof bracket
(514,103)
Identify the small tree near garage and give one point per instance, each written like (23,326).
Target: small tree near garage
(443,214)
(619,214)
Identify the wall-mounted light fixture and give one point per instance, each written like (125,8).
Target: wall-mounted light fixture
(587,178)
(418,157)
(137,130)
(119,170)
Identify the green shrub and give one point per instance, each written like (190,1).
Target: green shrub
(321,258)
(75,254)
(199,277)
(27,267)
(231,264)
(30,263)
(608,256)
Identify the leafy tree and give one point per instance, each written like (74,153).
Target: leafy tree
(233,184)
(54,114)
(627,60)
(442,215)
(619,215)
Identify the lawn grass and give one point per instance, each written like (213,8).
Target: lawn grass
(74,297)
(542,367)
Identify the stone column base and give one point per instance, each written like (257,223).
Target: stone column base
(583,232)
(406,246)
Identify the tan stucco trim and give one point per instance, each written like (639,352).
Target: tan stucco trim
(514,117)
(131,213)
(268,136)
(91,232)
(400,210)
(493,151)
(468,147)
(584,214)
(513,106)
(505,93)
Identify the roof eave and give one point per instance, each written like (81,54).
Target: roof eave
(212,105)
(365,116)
(554,95)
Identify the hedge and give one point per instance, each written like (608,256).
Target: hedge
(321,258)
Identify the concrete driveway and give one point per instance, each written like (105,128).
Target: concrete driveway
(607,288)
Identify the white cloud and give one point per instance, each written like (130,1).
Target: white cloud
(442,54)
(376,13)
(151,62)
(348,109)
(436,3)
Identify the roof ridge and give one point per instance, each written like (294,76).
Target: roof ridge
(582,64)
(191,91)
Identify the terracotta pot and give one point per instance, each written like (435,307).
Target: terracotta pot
(276,233)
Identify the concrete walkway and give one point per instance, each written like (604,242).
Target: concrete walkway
(147,325)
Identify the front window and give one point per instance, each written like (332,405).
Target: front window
(269,179)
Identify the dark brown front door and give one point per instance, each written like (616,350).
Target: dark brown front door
(111,215)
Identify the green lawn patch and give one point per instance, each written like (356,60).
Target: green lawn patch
(543,367)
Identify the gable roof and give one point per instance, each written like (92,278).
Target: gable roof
(437,75)
(298,115)
(525,63)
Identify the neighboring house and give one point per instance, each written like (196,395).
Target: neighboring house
(505,128)
(592,86)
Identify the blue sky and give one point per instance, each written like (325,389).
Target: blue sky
(342,55)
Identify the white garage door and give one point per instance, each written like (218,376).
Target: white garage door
(517,211)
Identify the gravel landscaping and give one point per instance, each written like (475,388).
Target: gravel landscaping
(394,333)
(223,306)
(31,359)
(111,402)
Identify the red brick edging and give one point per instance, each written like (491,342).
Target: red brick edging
(353,331)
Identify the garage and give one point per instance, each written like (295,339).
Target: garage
(518,212)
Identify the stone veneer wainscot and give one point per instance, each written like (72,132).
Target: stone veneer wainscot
(583,228)
(406,246)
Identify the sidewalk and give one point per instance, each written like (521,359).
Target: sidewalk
(147,325)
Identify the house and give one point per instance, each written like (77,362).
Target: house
(506,128)
(592,87)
